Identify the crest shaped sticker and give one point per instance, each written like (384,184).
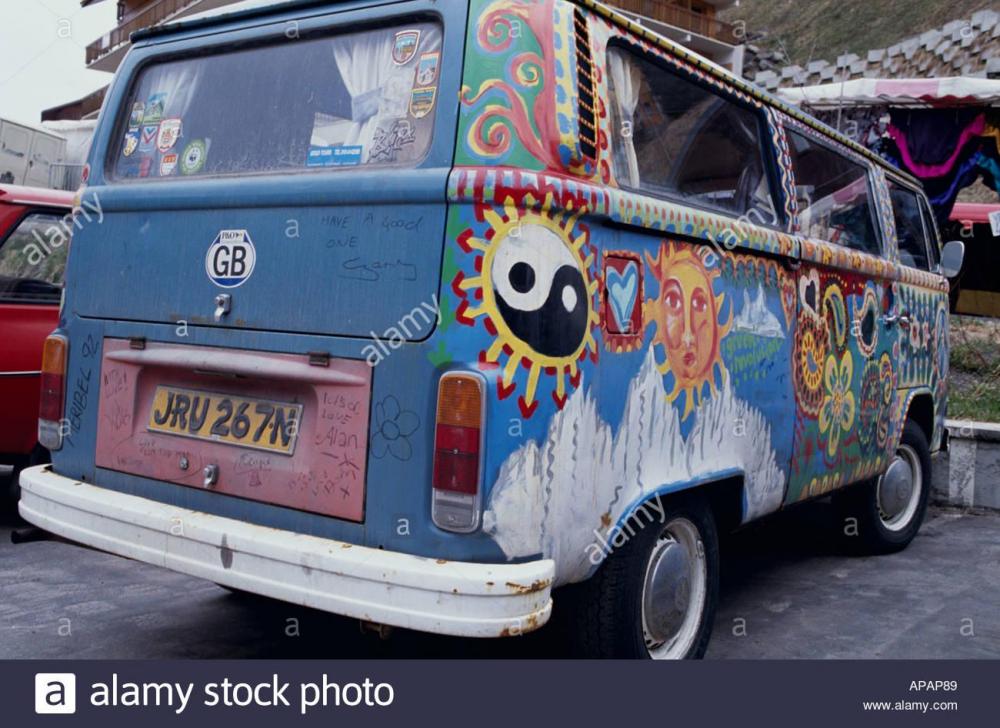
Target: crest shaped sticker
(131,142)
(404,46)
(422,101)
(170,131)
(427,68)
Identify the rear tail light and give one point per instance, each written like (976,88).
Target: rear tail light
(458,450)
(53,390)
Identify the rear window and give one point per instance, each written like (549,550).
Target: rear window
(351,100)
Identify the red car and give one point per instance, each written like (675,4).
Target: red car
(34,239)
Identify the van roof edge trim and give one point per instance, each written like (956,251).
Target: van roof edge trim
(728,76)
(193,23)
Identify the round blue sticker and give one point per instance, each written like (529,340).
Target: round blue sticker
(230,258)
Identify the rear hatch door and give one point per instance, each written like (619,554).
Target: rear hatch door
(303,180)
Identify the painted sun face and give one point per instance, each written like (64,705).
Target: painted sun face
(538,297)
(686,313)
(688,320)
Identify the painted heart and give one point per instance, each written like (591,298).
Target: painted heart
(788,299)
(623,288)
(809,290)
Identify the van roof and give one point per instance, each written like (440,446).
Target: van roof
(257,8)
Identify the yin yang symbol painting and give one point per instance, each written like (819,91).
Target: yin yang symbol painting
(537,295)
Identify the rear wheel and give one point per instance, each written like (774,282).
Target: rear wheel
(654,596)
(889,510)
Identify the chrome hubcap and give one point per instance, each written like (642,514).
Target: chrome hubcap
(674,591)
(899,489)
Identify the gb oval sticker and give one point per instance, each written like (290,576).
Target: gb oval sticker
(230,258)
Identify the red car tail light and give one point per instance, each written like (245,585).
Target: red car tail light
(458,446)
(53,390)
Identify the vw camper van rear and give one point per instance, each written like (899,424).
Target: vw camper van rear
(413,312)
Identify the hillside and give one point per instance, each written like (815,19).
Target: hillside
(824,29)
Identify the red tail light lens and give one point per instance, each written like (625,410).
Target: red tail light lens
(458,452)
(53,390)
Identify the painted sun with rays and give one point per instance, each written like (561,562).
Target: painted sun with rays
(689,320)
(536,294)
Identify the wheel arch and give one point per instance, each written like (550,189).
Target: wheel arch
(919,407)
(723,491)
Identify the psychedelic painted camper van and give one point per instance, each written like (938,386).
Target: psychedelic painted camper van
(416,311)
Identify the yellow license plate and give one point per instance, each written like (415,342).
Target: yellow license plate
(256,423)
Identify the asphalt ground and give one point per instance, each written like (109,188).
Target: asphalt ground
(788,591)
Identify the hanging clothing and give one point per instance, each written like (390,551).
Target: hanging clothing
(931,141)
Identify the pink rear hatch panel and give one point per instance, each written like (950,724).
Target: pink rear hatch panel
(326,472)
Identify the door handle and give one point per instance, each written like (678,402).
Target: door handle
(903,319)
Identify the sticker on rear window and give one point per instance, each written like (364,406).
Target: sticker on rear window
(148,139)
(421,102)
(170,131)
(404,46)
(230,258)
(155,108)
(193,157)
(167,164)
(339,156)
(427,68)
(131,142)
(138,109)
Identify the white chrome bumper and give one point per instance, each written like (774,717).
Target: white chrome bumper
(448,597)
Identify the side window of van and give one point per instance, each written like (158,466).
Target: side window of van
(351,100)
(930,225)
(834,197)
(674,138)
(910,234)
(31,264)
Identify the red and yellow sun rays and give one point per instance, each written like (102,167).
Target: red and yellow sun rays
(535,292)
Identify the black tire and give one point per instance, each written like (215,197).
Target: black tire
(607,610)
(866,529)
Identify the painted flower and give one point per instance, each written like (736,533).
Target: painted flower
(870,406)
(393,427)
(836,414)
(810,352)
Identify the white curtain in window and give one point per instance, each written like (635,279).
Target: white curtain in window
(178,81)
(365,63)
(626,79)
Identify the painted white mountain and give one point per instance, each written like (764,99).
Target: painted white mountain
(555,497)
(756,318)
